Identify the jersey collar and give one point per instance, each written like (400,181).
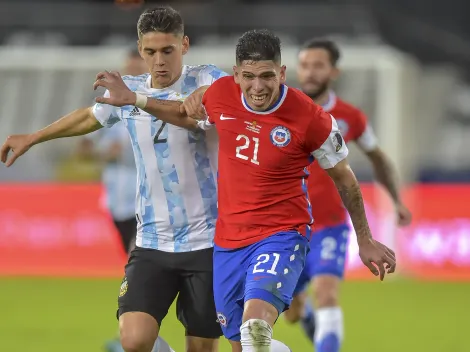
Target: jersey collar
(277,105)
(331,102)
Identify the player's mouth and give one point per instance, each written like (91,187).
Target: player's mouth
(161,73)
(259,99)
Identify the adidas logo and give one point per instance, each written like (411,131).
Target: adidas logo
(135,112)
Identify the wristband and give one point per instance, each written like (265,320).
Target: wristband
(140,101)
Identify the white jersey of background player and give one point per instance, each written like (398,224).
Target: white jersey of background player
(176,170)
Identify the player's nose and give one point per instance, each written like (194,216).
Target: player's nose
(257,86)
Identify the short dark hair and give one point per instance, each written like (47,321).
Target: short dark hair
(258,45)
(325,44)
(164,19)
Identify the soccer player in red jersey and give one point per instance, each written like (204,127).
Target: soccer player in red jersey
(269,134)
(316,70)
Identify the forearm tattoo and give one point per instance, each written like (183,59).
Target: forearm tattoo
(352,199)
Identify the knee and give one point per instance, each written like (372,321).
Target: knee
(198,344)
(138,331)
(326,296)
(292,315)
(136,340)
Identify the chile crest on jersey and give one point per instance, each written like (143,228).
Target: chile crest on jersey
(280,136)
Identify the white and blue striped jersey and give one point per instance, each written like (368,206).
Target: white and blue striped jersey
(120,176)
(176,203)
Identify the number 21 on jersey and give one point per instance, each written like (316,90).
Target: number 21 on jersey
(242,153)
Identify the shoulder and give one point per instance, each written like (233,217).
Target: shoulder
(347,111)
(223,86)
(302,105)
(204,72)
(135,82)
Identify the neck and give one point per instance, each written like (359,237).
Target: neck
(323,98)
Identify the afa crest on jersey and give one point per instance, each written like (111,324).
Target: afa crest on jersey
(280,136)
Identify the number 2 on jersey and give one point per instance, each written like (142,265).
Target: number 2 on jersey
(246,140)
(157,139)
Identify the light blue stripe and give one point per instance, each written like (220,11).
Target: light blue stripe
(175,201)
(148,212)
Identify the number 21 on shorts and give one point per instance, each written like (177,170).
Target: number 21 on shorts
(247,141)
(263,259)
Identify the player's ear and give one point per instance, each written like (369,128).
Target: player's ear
(185,44)
(282,74)
(236,76)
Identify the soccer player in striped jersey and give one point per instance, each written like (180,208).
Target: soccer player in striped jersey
(176,206)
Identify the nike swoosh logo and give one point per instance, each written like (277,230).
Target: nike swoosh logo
(222,117)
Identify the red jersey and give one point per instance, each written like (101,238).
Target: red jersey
(263,160)
(327,206)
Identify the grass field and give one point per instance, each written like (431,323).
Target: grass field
(61,315)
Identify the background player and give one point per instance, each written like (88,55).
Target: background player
(268,135)
(177,201)
(316,70)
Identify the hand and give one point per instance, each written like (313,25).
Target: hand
(192,105)
(377,257)
(18,144)
(119,93)
(403,215)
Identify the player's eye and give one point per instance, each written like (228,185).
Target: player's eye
(247,76)
(167,51)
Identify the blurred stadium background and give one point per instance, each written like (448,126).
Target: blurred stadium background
(405,63)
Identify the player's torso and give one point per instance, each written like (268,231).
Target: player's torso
(327,206)
(262,174)
(177,195)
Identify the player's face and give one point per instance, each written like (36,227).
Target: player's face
(259,82)
(135,66)
(163,55)
(315,71)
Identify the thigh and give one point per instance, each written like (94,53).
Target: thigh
(328,249)
(229,280)
(150,284)
(275,267)
(195,305)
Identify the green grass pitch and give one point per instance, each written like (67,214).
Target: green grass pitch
(65,315)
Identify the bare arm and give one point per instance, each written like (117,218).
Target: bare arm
(77,123)
(170,112)
(351,195)
(385,173)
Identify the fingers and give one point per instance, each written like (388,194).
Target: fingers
(381,267)
(372,268)
(4,152)
(103,100)
(101,83)
(12,159)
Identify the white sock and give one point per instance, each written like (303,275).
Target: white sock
(256,336)
(278,346)
(329,330)
(161,346)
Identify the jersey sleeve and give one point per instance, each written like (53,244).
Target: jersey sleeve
(209,75)
(367,141)
(106,114)
(324,141)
